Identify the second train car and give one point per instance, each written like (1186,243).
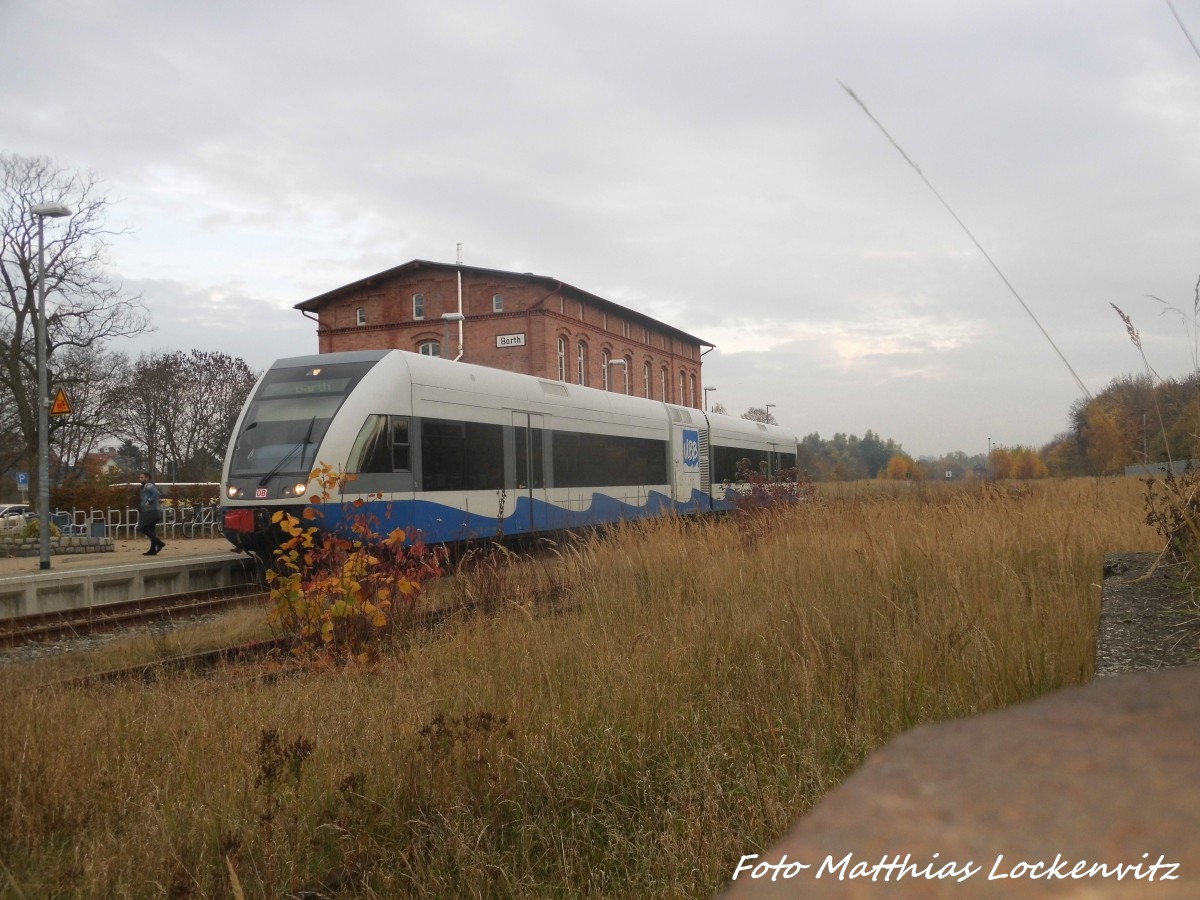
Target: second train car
(460,452)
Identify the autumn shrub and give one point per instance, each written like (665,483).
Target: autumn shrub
(33,528)
(1172,500)
(91,494)
(333,591)
(753,490)
(1173,511)
(760,499)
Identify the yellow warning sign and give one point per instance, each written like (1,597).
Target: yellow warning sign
(61,405)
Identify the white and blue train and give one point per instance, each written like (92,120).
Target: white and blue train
(459,452)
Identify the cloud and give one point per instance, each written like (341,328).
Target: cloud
(697,163)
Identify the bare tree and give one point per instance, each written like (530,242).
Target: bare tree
(147,398)
(93,380)
(759,414)
(179,409)
(213,388)
(86,307)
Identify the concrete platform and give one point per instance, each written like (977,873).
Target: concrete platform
(76,581)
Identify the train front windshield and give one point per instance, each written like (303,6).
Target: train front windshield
(289,415)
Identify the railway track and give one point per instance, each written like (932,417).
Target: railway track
(424,620)
(20,630)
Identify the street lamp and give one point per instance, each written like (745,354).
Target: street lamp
(624,364)
(42,211)
(770,406)
(447,318)
(706,390)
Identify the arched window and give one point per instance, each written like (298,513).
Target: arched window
(625,372)
(562,359)
(582,367)
(605,359)
(662,385)
(430,348)
(646,379)
(682,395)
(692,401)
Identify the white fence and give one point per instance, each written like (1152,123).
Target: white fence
(186,521)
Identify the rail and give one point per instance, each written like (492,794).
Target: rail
(18,630)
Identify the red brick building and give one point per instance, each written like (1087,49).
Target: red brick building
(520,322)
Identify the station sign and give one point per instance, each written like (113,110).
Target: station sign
(510,340)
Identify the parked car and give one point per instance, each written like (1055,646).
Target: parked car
(14,516)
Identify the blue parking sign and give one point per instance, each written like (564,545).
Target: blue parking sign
(23,481)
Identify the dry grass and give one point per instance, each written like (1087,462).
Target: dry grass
(709,682)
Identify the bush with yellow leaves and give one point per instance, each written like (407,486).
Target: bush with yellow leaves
(336,591)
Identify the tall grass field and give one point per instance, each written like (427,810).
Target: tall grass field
(693,689)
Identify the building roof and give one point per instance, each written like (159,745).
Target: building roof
(314,304)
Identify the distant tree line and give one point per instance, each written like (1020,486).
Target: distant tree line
(1135,419)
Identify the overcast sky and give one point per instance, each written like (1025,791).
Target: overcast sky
(697,162)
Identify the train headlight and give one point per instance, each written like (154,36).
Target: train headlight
(300,488)
(233,491)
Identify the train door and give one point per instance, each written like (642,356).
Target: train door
(529,496)
(687,476)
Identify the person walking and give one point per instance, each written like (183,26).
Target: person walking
(149,512)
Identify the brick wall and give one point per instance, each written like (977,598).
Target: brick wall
(542,316)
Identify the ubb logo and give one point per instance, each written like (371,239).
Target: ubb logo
(691,449)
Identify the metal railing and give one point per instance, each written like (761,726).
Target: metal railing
(193,521)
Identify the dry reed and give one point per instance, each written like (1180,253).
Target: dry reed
(707,683)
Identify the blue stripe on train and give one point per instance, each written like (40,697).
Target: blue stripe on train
(439,523)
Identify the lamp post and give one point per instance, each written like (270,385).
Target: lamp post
(624,364)
(706,390)
(42,211)
(447,318)
(770,406)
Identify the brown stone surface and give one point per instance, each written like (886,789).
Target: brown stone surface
(1105,773)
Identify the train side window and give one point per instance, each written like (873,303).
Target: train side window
(725,461)
(401,452)
(381,446)
(371,451)
(458,456)
(530,471)
(594,460)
